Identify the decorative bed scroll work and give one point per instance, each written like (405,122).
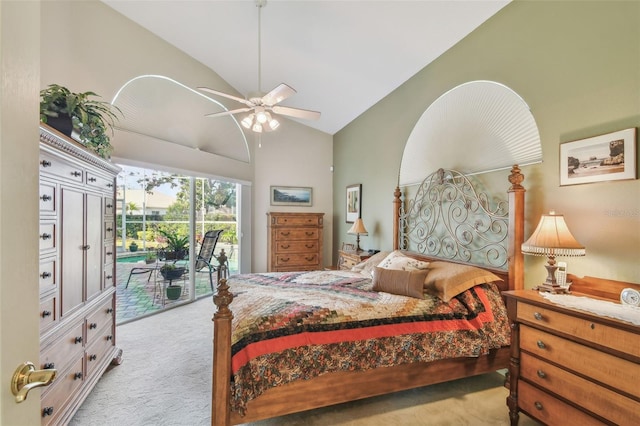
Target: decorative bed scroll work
(448,219)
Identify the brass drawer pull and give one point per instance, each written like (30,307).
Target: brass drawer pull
(45,163)
(285,246)
(46,197)
(45,275)
(310,233)
(541,344)
(310,258)
(285,260)
(541,374)
(45,236)
(538,316)
(47,411)
(285,234)
(538,406)
(309,246)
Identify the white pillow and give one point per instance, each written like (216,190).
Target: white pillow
(400,261)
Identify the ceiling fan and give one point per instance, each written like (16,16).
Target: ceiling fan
(262,105)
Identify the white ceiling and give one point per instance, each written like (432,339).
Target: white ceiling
(341,56)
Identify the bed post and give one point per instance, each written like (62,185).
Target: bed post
(516,229)
(396,218)
(221,390)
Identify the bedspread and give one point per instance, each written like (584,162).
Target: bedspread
(298,325)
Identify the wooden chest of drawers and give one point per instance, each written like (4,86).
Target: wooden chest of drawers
(571,364)
(295,241)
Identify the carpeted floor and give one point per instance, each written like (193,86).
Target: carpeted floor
(166,380)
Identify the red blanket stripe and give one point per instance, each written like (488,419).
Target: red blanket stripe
(279,344)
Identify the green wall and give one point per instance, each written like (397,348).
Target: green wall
(577,65)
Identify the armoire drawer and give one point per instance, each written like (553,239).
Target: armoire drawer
(47,197)
(55,166)
(109,206)
(98,349)
(56,396)
(65,348)
(98,320)
(48,314)
(47,237)
(97,181)
(47,275)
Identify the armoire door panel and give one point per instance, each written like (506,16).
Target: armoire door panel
(94,245)
(72,248)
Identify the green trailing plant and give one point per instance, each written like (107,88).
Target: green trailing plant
(92,119)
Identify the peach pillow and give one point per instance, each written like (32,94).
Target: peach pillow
(447,280)
(397,281)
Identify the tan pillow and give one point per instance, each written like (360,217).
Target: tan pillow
(366,267)
(446,280)
(395,281)
(398,260)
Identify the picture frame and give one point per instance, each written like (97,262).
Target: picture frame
(353,202)
(607,157)
(301,196)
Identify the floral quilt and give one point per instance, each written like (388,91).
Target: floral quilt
(299,325)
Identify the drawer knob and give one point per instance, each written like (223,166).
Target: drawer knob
(47,411)
(541,374)
(45,275)
(92,179)
(77,376)
(593,326)
(109,253)
(109,338)
(93,357)
(109,229)
(93,325)
(310,258)
(76,174)
(77,340)
(309,233)
(49,365)
(541,344)
(45,236)
(109,310)
(285,246)
(285,234)
(109,185)
(538,406)
(109,206)
(45,163)
(108,277)
(87,247)
(45,197)
(46,314)
(538,316)
(309,246)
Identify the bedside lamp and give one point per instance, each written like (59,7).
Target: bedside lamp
(358,229)
(552,238)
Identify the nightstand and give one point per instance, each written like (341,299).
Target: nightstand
(347,259)
(571,364)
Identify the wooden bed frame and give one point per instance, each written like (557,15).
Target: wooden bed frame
(339,387)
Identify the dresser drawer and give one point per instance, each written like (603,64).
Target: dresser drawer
(47,197)
(109,204)
(297,220)
(65,347)
(550,410)
(597,333)
(296,234)
(605,368)
(109,231)
(294,259)
(53,165)
(99,349)
(47,276)
(56,396)
(108,254)
(98,320)
(588,395)
(297,246)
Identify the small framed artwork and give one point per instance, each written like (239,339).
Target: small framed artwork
(291,196)
(599,158)
(354,202)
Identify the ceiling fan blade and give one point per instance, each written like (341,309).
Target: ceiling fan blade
(226,95)
(278,94)
(296,112)
(223,113)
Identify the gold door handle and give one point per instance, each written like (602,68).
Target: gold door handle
(26,377)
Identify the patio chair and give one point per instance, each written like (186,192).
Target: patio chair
(203,260)
(148,269)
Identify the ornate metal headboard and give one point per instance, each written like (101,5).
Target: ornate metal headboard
(447,218)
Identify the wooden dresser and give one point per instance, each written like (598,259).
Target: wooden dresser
(77,272)
(347,259)
(569,366)
(294,241)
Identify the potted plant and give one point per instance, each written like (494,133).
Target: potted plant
(170,272)
(90,118)
(150,257)
(133,246)
(177,246)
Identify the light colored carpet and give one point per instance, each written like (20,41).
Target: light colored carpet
(165,379)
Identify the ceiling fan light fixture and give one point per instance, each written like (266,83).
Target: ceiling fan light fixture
(247,122)
(261,115)
(274,124)
(257,127)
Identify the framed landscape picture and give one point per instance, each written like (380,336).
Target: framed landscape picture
(600,158)
(354,202)
(291,196)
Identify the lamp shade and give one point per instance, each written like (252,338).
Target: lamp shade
(552,238)
(358,228)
